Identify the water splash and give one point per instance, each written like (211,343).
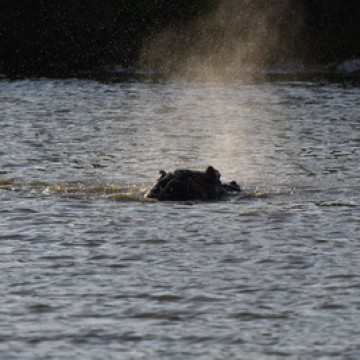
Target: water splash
(233,41)
(77,190)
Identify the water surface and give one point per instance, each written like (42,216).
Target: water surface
(90,270)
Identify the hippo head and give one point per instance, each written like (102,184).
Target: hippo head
(183,185)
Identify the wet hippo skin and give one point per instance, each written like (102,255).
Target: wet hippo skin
(182,185)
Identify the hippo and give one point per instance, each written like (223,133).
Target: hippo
(183,185)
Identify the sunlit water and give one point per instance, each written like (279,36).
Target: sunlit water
(90,270)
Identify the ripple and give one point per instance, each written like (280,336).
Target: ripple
(91,267)
(340,203)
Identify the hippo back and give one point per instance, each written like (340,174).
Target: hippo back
(182,185)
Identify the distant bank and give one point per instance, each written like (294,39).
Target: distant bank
(70,37)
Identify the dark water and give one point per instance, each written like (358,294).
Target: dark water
(90,270)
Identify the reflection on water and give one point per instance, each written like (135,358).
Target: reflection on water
(91,270)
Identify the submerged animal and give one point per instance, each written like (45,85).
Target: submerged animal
(182,185)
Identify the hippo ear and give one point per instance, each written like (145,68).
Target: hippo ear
(162,173)
(212,173)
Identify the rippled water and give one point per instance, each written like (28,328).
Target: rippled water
(90,270)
